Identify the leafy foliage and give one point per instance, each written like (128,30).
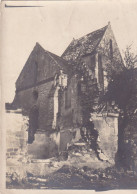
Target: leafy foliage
(122,89)
(130,58)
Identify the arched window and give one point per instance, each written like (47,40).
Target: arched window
(111,49)
(100,72)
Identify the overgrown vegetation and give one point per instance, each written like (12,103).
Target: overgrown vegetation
(122,89)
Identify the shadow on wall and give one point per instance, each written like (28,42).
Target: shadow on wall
(33,123)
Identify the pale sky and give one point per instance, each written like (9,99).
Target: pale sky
(54,27)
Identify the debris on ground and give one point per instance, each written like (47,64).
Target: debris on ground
(76,168)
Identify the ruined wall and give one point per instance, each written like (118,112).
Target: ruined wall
(70,117)
(107,127)
(68,137)
(44,103)
(47,146)
(16,133)
(44,146)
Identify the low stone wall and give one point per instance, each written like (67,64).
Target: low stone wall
(16,133)
(20,154)
(44,145)
(107,127)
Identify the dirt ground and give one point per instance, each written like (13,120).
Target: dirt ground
(78,168)
(77,178)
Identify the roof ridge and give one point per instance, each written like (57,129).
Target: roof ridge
(52,56)
(89,35)
(50,53)
(105,27)
(56,56)
(102,36)
(68,46)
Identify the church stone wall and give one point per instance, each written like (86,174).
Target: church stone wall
(44,103)
(111,59)
(70,117)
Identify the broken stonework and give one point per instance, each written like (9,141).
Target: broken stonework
(47,146)
(16,139)
(16,143)
(107,127)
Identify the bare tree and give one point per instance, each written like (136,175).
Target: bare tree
(130,58)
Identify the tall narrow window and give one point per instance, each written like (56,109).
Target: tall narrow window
(67,98)
(100,72)
(111,49)
(35,72)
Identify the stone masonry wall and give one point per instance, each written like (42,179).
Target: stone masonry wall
(44,103)
(70,117)
(47,146)
(107,127)
(110,61)
(44,146)
(16,133)
(40,66)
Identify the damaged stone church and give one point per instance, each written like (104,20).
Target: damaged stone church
(53,92)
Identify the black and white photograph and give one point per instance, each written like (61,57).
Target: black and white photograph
(69,95)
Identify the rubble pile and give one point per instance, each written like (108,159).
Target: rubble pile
(70,177)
